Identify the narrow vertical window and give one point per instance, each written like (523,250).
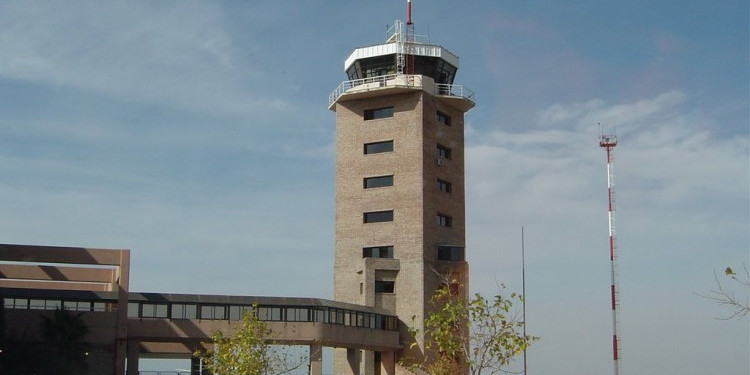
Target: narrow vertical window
(443,118)
(444,220)
(443,152)
(444,186)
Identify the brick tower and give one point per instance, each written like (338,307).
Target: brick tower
(400,216)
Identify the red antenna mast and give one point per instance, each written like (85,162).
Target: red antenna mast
(608,143)
(409,40)
(408,12)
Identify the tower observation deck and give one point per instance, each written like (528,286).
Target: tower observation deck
(400,207)
(385,65)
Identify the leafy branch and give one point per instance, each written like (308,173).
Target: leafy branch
(480,335)
(248,352)
(726,297)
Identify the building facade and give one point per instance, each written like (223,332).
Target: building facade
(399,215)
(91,285)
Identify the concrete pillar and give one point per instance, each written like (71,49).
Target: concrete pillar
(354,357)
(316,359)
(134,354)
(387,363)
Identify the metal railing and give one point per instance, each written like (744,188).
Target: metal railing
(396,80)
(455,90)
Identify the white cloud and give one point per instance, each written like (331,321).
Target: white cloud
(177,54)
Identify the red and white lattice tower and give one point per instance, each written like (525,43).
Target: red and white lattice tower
(608,143)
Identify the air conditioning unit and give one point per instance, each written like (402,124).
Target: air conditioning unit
(440,162)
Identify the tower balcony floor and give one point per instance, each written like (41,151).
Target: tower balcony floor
(397,83)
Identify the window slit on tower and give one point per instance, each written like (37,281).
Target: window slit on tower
(443,118)
(378,147)
(378,181)
(378,113)
(378,216)
(377,252)
(444,186)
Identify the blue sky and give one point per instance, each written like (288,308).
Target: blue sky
(196,134)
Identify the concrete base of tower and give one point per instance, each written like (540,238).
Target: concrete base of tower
(364,362)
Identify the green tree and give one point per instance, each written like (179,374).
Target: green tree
(248,352)
(60,350)
(64,350)
(480,335)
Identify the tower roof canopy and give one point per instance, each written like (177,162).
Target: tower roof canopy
(430,60)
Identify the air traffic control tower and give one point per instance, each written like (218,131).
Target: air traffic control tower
(399,226)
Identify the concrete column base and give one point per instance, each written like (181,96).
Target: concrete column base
(316,360)
(387,363)
(354,357)
(134,354)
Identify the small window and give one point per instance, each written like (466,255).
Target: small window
(380,181)
(443,118)
(235,312)
(154,310)
(444,186)
(53,304)
(444,220)
(384,286)
(294,314)
(377,113)
(451,253)
(133,309)
(77,305)
(184,311)
(378,216)
(70,305)
(377,252)
(213,312)
(320,315)
(378,147)
(443,152)
(269,313)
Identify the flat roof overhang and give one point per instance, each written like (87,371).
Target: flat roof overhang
(416,49)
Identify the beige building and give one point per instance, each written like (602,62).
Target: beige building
(123,326)
(400,216)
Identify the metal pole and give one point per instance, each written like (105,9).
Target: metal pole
(523,292)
